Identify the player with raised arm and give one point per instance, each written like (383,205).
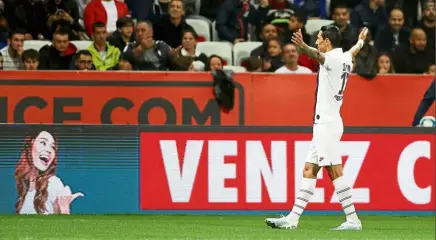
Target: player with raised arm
(335,66)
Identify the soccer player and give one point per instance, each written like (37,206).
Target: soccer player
(335,66)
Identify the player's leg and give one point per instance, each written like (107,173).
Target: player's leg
(303,197)
(344,193)
(330,158)
(307,189)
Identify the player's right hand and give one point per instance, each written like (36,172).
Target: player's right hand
(297,38)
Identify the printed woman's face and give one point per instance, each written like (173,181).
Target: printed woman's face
(43,151)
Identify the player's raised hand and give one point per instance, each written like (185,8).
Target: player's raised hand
(363,33)
(297,38)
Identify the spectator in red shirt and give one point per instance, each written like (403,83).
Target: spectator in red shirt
(106,11)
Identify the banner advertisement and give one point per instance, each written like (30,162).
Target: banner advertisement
(161,98)
(103,169)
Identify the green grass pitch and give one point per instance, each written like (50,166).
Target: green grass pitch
(207,227)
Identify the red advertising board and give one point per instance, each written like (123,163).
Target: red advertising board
(261,171)
(176,98)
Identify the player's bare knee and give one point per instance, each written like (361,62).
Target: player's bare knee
(334,171)
(310,170)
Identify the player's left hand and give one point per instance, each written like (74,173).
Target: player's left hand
(363,33)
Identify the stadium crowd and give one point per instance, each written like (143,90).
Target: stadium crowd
(150,35)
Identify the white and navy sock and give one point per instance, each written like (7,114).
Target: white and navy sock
(343,191)
(307,189)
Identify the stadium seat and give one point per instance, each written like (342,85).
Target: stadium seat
(35,44)
(214,32)
(242,51)
(201,27)
(82,45)
(313,25)
(222,49)
(236,69)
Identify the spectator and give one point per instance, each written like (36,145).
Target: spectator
(12,53)
(384,64)
(123,34)
(350,4)
(277,13)
(4,29)
(197,66)
(104,56)
(415,58)
(254,64)
(59,55)
(189,44)
(64,14)
(214,62)
(31,16)
(313,8)
(140,9)
(30,59)
(125,65)
(291,61)
(409,8)
(275,56)
(208,8)
(232,20)
(269,31)
(158,9)
(83,61)
(81,4)
(428,23)
(393,35)
(371,14)
(432,70)
(146,53)
(341,17)
(366,59)
(105,11)
(296,23)
(170,27)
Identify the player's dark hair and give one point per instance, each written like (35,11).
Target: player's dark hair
(97,25)
(30,54)
(332,33)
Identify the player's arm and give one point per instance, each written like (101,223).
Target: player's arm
(356,48)
(297,39)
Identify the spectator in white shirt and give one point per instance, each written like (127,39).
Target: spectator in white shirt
(12,53)
(290,54)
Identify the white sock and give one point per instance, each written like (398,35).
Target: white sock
(303,197)
(343,191)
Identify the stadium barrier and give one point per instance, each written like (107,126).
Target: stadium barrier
(144,169)
(170,98)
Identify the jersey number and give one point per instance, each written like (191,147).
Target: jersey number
(345,72)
